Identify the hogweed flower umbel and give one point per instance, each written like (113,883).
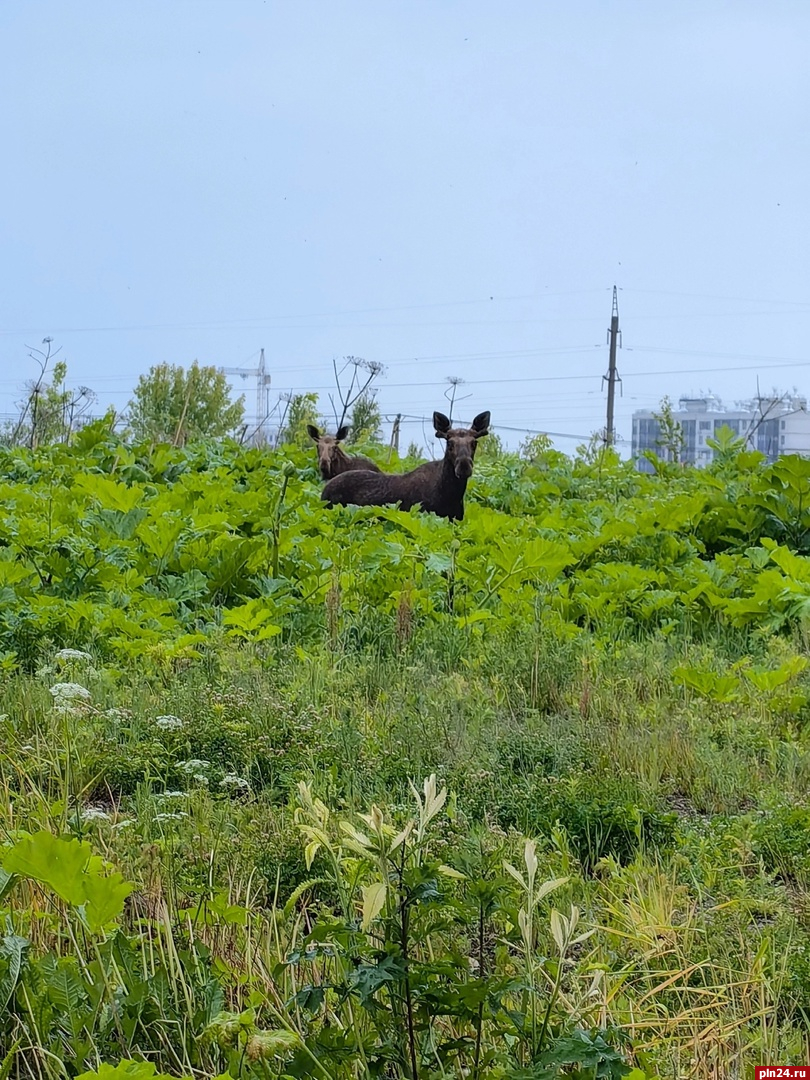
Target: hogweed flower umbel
(66,655)
(70,697)
(169,723)
(195,769)
(231,780)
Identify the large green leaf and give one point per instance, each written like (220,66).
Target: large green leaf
(126,1070)
(73,872)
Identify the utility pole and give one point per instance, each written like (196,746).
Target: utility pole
(612,377)
(395,435)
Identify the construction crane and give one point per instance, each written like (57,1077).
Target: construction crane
(262,395)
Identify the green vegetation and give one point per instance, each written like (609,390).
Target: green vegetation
(290,792)
(176,404)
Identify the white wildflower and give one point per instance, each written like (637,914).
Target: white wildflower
(171,794)
(231,780)
(172,816)
(193,765)
(194,768)
(169,723)
(118,714)
(64,655)
(89,814)
(69,693)
(125,823)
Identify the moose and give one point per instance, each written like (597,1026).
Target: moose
(332,459)
(437,486)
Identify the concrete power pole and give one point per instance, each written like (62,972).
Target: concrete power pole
(395,432)
(612,377)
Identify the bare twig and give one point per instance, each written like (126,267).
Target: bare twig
(348,395)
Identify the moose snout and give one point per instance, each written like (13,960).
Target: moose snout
(464,468)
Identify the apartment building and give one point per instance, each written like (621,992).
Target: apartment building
(774,426)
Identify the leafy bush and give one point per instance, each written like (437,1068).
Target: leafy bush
(782,839)
(602,816)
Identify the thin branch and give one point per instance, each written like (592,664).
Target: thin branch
(349,395)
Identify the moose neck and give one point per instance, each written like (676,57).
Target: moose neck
(339,456)
(449,482)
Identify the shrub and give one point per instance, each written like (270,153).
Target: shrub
(602,816)
(782,840)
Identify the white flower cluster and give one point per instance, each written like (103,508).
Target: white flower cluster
(169,723)
(118,715)
(66,655)
(89,814)
(236,783)
(194,768)
(69,698)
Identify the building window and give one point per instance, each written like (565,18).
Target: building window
(783,425)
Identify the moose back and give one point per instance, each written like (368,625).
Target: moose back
(437,486)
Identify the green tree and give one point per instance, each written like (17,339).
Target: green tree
(366,420)
(300,410)
(491,448)
(176,404)
(671,439)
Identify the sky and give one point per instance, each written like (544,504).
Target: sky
(450,188)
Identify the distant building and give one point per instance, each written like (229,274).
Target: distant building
(774,426)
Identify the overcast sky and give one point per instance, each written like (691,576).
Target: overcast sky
(451,188)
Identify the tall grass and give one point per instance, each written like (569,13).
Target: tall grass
(252,942)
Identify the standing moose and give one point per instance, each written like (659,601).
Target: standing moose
(438,486)
(332,459)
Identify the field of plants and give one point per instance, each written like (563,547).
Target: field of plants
(296,792)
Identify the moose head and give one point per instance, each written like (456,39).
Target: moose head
(329,451)
(461,442)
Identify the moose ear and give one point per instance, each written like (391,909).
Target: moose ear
(342,433)
(313,432)
(442,425)
(480,425)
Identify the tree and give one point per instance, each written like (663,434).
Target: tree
(299,410)
(175,404)
(492,448)
(671,438)
(366,419)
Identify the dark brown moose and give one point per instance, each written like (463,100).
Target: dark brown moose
(438,486)
(332,459)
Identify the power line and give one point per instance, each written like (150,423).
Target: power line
(409,419)
(551,378)
(546,378)
(708,296)
(248,320)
